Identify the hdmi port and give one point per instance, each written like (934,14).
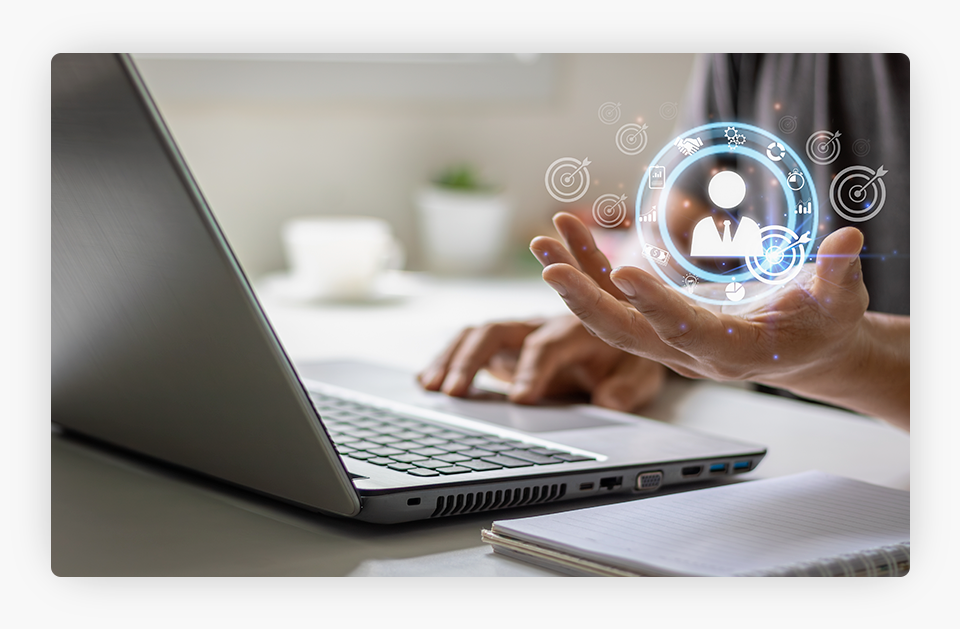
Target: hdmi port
(693,470)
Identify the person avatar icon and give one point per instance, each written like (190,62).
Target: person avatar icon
(708,242)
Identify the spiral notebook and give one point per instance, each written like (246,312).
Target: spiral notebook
(809,524)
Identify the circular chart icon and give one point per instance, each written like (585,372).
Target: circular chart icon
(858,193)
(823,147)
(609,210)
(632,138)
(609,113)
(795,180)
(735,291)
(567,179)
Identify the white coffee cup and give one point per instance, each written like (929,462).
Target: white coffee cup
(338,257)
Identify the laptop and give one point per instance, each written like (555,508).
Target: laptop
(160,347)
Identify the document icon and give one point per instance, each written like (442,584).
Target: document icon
(657,176)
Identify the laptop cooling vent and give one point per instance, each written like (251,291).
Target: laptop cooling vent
(500,499)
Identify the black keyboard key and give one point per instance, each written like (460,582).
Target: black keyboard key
(572,458)
(452,457)
(407,457)
(454,435)
(408,435)
(362,433)
(454,469)
(433,463)
(364,445)
(547,451)
(475,453)
(481,466)
(419,471)
(385,451)
(473,441)
(429,451)
(430,441)
(360,455)
(507,461)
(495,447)
(383,439)
(527,455)
(452,446)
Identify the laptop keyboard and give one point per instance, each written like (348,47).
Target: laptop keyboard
(404,444)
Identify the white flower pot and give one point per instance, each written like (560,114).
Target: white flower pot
(462,233)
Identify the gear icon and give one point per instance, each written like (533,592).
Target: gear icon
(734,138)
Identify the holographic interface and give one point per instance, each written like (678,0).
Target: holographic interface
(728,212)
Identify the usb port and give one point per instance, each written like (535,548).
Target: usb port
(741,466)
(693,470)
(718,468)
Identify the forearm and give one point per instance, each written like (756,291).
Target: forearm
(871,375)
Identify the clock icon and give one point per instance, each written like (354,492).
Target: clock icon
(795,180)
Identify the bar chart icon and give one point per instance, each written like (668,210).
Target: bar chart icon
(805,209)
(649,218)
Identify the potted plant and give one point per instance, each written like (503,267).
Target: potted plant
(464,222)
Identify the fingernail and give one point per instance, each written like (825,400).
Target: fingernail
(625,286)
(560,288)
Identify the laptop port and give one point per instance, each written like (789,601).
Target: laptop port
(741,466)
(586,486)
(693,470)
(718,468)
(611,482)
(648,481)
(412,502)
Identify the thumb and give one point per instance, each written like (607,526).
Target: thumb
(633,383)
(839,276)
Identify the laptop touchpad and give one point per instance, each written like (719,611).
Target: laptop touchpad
(525,418)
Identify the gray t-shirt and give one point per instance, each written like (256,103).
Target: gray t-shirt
(866,98)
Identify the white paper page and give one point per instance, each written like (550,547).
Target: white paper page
(729,530)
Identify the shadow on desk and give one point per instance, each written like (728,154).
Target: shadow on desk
(114,513)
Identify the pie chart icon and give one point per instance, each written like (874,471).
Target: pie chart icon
(735,291)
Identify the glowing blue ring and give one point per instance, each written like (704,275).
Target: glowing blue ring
(689,160)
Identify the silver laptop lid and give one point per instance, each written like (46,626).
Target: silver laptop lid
(159,344)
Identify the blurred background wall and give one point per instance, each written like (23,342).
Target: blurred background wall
(270,137)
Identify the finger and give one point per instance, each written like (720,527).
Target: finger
(432,377)
(618,325)
(691,329)
(550,251)
(581,244)
(477,349)
(839,278)
(543,356)
(634,383)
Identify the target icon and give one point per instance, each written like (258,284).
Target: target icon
(788,124)
(782,257)
(632,139)
(823,147)
(668,111)
(857,193)
(861,148)
(609,113)
(609,210)
(567,179)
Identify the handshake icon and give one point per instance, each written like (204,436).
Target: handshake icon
(688,146)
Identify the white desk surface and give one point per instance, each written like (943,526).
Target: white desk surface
(113,514)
